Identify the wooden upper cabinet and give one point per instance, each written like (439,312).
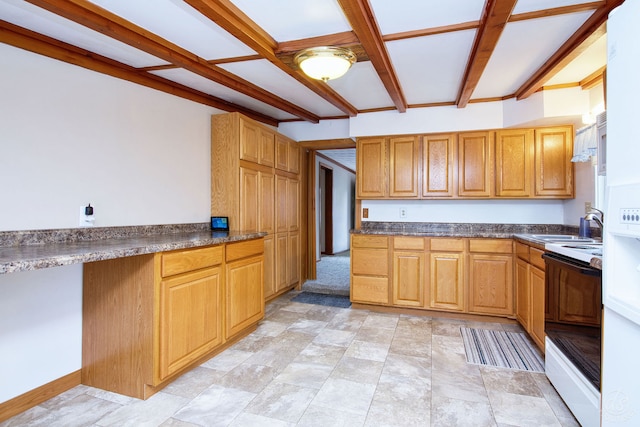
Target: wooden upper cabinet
(403,167)
(553,167)
(294,157)
(474,164)
(438,165)
(267,148)
(514,160)
(371,168)
(282,153)
(249,141)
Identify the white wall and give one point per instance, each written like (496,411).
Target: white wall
(69,136)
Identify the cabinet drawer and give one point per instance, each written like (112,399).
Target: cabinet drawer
(535,258)
(522,251)
(244,249)
(362,241)
(494,246)
(177,262)
(455,245)
(409,243)
(371,262)
(370,289)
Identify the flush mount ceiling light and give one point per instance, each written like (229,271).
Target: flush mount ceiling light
(325,62)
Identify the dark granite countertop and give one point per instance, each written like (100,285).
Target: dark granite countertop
(33,250)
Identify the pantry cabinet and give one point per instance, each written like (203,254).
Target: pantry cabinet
(255,181)
(148,318)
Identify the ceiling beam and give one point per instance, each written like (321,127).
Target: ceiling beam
(37,43)
(585,36)
(105,22)
(360,16)
(230,18)
(495,16)
(346,38)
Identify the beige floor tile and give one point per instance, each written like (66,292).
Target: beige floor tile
(172,422)
(334,337)
(411,346)
(367,350)
(358,370)
(322,313)
(285,402)
(251,343)
(305,374)
(407,366)
(348,396)
(400,401)
(375,335)
(521,410)
(448,327)
(318,416)
(379,320)
(463,383)
(308,326)
(248,377)
(79,410)
(216,406)
(271,328)
(194,382)
(151,412)
(510,381)
(246,419)
(448,344)
(321,353)
(447,412)
(227,360)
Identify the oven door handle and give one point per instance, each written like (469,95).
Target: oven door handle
(588,271)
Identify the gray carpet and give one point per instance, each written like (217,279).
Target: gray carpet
(332,274)
(323,299)
(500,348)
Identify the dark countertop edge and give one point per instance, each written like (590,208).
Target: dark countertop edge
(60,254)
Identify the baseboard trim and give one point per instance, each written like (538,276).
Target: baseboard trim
(38,395)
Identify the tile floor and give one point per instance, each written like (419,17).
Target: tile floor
(310,365)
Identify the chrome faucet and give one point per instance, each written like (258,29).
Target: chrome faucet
(597,215)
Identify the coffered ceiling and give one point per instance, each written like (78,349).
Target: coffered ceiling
(236,55)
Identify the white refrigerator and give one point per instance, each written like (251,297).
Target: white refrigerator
(620,405)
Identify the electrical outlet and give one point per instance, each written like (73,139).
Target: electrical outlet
(365,212)
(403,212)
(84,219)
(587,207)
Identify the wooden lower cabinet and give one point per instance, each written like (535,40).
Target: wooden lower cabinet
(523,294)
(148,318)
(491,276)
(530,292)
(409,264)
(269,266)
(537,284)
(446,284)
(369,269)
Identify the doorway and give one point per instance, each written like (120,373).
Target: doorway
(326,209)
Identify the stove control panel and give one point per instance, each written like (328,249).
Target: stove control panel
(630,216)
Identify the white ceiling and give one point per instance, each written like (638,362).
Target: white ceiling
(430,69)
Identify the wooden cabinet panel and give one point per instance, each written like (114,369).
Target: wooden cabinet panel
(282,153)
(535,258)
(243,294)
(403,167)
(553,168)
(370,262)
(190,318)
(523,294)
(495,246)
(181,261)
(368,241)
(438,165)
(281,243)
(269,265)
(243,249)
(281,204)
(267,198)
(267,148)
(537,295)
(293,205)
(368,289)
(522,251)
(294,157)
(369,269)
(409,243)
(293,263)
(491,284)
(249,197)
(474,164)
(249,141)
(408,278)
(371,176)
(447,281)
(514,154)
(446,244)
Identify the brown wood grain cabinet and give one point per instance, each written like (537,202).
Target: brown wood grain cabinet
(371,168)
(514,162)
(475,164)
(553,168)
(255,181)
(530,291)
(446,274)
(438,154)
(148,318)
(409,270)
(404,153)
(370,269)
(491,276)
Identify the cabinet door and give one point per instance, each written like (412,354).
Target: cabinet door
(447,281)
(369,270)
(408,278)
(523,291)
(293,258)
(403,167)
(553,167)
(267,148)
(474,164)
(536,281)
(371,165)
(281,261)
(294,157)
(282,153)
(282,215)
(293,206)
(514,154)
(438,167)
(244,294)
(249,141)
(491,284)
(267,197)
(269,265)
(249,197)
(190,318)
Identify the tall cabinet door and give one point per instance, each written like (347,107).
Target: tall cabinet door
(403,167)
(474,164)
(267,197)
(514,153)
(553,167)
(282,215)
(371,154)
(437,161)
(249,197)
(447,281)
(293,205)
